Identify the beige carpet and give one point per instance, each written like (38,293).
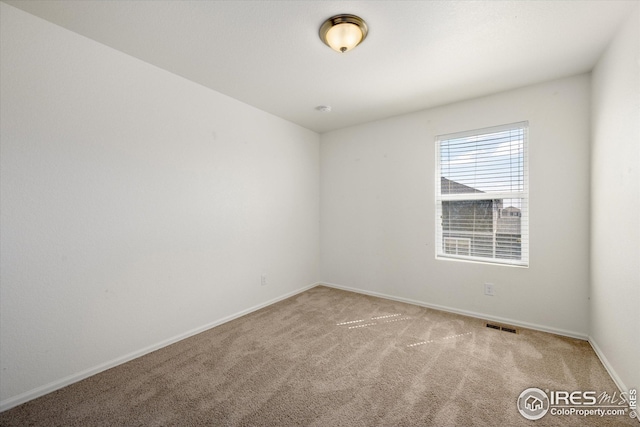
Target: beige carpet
(332,358)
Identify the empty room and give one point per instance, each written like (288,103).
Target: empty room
(319,213)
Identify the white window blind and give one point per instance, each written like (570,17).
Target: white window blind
(482,201)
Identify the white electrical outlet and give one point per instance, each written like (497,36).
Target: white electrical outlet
(263,280)
(488,289)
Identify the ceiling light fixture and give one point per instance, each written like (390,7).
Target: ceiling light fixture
(343,32)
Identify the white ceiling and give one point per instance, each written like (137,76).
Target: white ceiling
(418,54)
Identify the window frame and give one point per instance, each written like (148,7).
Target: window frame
(494,195)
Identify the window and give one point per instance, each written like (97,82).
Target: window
(457,246)
(482,202)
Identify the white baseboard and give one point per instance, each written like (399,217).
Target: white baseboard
(483,316)
(63,382)
(612,373)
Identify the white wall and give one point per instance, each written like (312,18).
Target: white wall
(136,206)
(615,205)
(378,209)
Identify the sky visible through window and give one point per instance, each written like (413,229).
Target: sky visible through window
(490,163)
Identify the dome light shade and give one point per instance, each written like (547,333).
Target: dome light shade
(343,32)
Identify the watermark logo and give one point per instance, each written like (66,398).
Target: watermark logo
(533,403)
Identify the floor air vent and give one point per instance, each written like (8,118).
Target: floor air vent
(510,329)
